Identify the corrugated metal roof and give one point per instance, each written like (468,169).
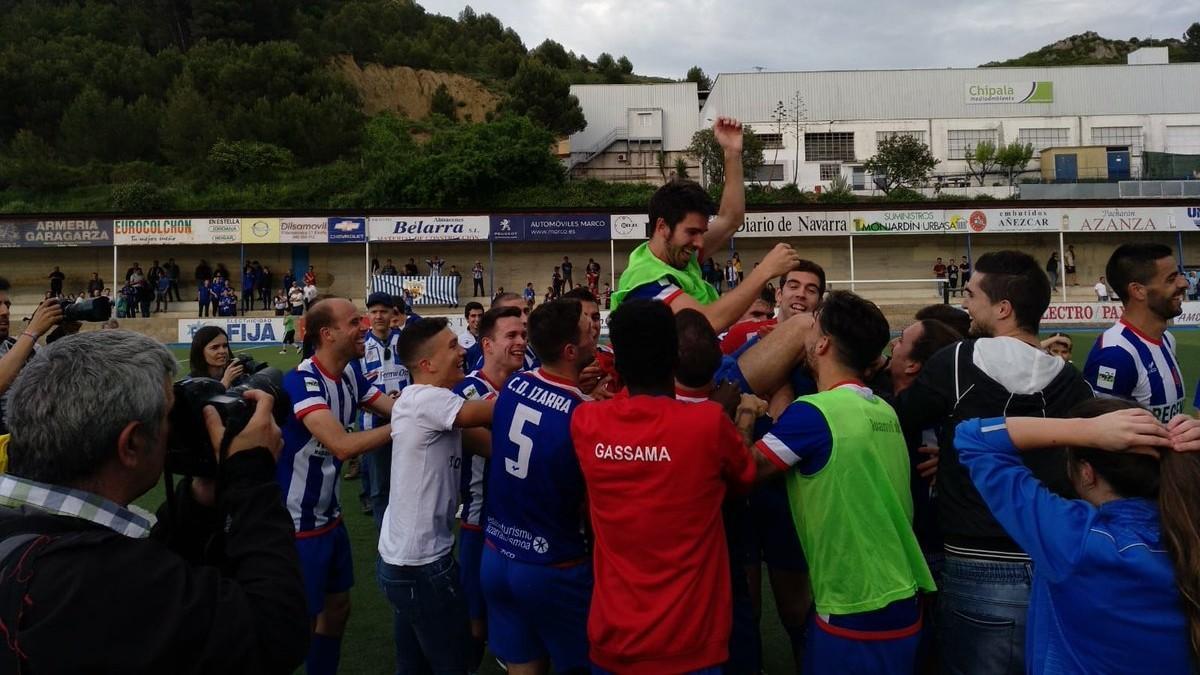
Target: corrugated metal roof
(605,106)
(941,94)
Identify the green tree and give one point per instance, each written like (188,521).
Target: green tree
(901,161)
(1191,41)
(248,160)
(188,127)
(552,54)
(981,160)
(543,94)
(789,118)
(1013,158)
(696,74)
(625,65)
(442,103)
(708,153)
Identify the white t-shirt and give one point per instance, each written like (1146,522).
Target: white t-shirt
(310,293)
(426,475)
(1101,290)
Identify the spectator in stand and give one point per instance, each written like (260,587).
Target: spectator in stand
(281,304)
(135,273)
(310,294)
(162,294)
(223,271)
(310,277)
(556,283)
(567,270)
(592,274)
(228,303)
(95,284)
(477,280)
(410,268)
(964,268)
(122,304)
(1193,285)
(737,267)
(156,271)
(550,295)
(56,281)
(374,266)
(1052,270)
(129,293)
(203,272)
(529,294)
(952,275)
(218,291)
(248,287)
(145,295)
(389,270)
(1102,293)
(296,300)
(172,269)
(264,287)
(1069,265)
(606,295)
(731,277)
(289,280)
(435,266)
(939,273)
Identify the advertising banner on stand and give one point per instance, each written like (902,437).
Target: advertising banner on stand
(1186,217)
(260,230)
(629,226)
(917,221)
(795,224)
(428,228)
(217,230)
(240,329)
(565,227)
(347,230)
(303,230)
(981,221)
(55,233)
(153,232)
(1118,219)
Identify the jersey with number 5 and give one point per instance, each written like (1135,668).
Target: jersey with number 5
(535,490)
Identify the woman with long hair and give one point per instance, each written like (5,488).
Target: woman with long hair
(1116,572)
(211,357)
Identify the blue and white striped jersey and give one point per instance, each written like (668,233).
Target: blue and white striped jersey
(474,387)
(381,366)
(1126,364)
(307,471)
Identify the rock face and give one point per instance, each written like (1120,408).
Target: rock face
(1090,48)
(408,91)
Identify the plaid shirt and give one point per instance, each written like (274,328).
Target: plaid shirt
(18,492)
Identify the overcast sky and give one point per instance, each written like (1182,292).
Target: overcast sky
(665,38)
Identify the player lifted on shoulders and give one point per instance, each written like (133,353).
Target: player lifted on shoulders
(537,573)
(1135,359)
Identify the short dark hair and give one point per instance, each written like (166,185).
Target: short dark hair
(950,315)
(675,200)
(196,360)
(699,350)
(857,326)
(809,266)
(318,316)
(644,342)
(470,307)
(413,338)
(487,325)
(935,336)
(1133,264)
(505,297)
(581,294)
(1018,278)
(554,325)
(768,296)
(4,285)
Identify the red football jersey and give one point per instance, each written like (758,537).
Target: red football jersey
(657,471)
(740,332)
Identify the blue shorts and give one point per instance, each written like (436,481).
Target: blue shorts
(832,649)
(470,553)
(715,670)
(325,565)
(769,532)
(535,611)
(729,370)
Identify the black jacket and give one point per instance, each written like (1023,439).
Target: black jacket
(1016,379)
(189,599)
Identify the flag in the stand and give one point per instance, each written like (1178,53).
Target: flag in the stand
(439,290)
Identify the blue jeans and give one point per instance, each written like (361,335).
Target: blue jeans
(429,610)
(981,616)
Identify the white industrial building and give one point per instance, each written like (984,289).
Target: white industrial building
(1147,105)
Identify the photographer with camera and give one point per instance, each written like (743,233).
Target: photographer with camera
(326,391)
(211,357)
(90,584)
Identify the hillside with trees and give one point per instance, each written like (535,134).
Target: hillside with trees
(149,105)
(1089,49)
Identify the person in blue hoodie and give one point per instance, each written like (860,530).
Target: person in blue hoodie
(204,296)
(1116,573)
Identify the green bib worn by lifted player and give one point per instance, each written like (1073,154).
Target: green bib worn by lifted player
(854,516)
(645,268)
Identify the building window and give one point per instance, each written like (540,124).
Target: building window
(830,171)
(1041,139)
(881,136)
(768,173)
(770,141)
(962,142)
(1127,136)
(837,146)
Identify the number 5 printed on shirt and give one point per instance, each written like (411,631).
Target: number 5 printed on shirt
(519,467)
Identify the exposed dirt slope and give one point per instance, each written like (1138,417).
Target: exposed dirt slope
(408,91)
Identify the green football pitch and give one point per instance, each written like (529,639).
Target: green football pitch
(368,643)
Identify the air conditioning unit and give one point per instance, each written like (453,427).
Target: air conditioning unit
(622,157)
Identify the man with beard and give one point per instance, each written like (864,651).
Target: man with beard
(987,578)
(326,391)
(502,337)
(1135,359)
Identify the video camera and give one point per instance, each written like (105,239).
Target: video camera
(92,309)
(189,450)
